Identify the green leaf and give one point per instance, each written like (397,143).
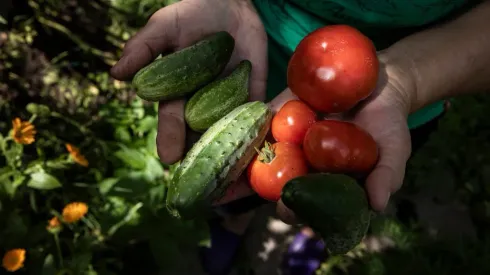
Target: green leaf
(148,123)
(106,185)
(132,158)
(156,197)
(153,170)
(6,172)
(14,153)
(130,185)
(11,185)
(122,134)
(57,164)
(151,143)
(38,109)
(43,181)
(131,217)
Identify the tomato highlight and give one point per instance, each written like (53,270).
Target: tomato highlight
(333,68)
(334,146)
(292,121)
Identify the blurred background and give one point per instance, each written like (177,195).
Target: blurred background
(84,149)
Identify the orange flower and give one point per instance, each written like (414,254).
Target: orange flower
(23,132)
(14,259)
(74,211)
(76,155)
(53,224)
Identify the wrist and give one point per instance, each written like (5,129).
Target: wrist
(399,73)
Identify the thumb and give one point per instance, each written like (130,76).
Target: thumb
(161,34)
(388,175)
(171,131)
(281,99)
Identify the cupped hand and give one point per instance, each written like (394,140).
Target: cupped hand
(384,115)
(180,25)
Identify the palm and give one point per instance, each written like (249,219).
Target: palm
(383,118)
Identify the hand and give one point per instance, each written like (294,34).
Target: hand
(180,25)
(384,115)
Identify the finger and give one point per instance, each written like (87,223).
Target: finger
(171,131)
(388,175)
(235,191)
(281,99)
(159,35)
(286,214)
(258,58)
(258,83)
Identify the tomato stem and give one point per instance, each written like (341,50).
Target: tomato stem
(266,155)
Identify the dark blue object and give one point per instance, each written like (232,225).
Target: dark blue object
(218,259)
(304,256)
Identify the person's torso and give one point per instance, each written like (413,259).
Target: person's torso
(383,21)
(379,13)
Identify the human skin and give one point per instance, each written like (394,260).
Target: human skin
(445,61)
(180,25)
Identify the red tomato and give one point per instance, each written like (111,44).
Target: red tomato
(334,146)
(292,121)
(276,165)
(333,68)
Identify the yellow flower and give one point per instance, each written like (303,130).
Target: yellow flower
(23,132)
(54,224)
(74,211)
(14,259)
(76,155)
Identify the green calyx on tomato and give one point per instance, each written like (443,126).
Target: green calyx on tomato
(266,154)
(274,166)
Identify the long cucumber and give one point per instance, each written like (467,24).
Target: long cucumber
(218,159)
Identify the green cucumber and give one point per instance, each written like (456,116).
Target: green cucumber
(334,205)
(217,159)
(182,72)
(218,98)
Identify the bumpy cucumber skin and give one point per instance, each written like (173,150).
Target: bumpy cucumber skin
(218,98)
(334,205)
(217,159)
(182,72)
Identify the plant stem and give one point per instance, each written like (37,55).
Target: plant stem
(82,128)
(89,223)
(58,249)
(125,220)
(33,117)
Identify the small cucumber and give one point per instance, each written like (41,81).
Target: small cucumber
(217,159)
(334,205)
(218,98)
(182,72)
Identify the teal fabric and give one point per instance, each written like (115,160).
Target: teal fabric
(383,21)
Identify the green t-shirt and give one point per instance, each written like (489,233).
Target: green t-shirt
(383,21)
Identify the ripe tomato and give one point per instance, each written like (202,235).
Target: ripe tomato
(292,121)
(333,68)
(334,146)
(276,165)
